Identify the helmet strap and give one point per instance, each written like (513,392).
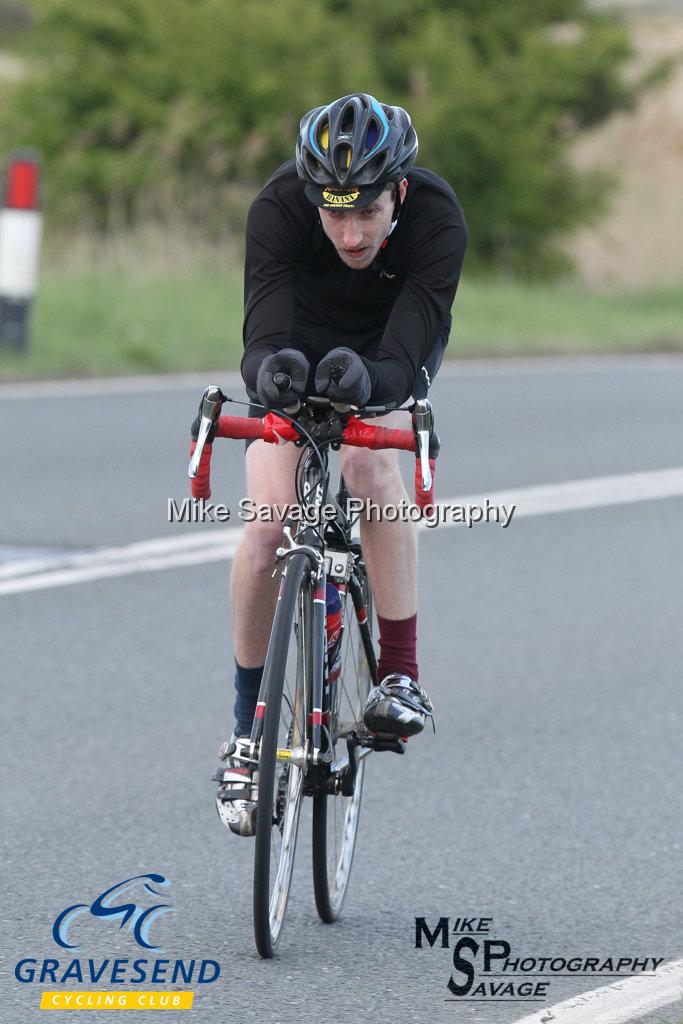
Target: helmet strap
(393,225)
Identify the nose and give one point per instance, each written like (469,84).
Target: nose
(351,237)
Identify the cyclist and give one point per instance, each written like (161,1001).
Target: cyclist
(353,257)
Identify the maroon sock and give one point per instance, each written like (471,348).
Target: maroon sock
(397,647)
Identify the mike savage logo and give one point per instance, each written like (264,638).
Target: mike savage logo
(487,969)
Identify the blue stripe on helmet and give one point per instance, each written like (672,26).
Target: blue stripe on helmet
(385,125)
(311,136)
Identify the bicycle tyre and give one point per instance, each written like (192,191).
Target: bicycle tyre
(336,817)
(280,789)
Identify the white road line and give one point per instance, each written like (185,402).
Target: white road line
(67,577)
(219,544)
(596,492)
(453,367)
(618,1003)
(158,547)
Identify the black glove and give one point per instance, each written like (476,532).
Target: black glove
(282,378)
(343,377)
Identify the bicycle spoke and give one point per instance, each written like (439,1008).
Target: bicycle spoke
(281,779)
(335,816)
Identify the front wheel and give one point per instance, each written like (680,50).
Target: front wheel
(335,816)
(281,767)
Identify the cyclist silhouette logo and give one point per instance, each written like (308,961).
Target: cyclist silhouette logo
(138,918)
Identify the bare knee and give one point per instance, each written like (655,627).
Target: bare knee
(371,474)
(259,543)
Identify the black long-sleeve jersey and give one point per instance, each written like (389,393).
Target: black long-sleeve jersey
(299,293)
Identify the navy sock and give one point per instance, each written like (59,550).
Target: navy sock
(247,685)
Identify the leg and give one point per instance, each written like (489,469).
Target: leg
(398,706)
(390,549)
(270,481)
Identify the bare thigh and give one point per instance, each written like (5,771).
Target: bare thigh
(368,472)
(271,472)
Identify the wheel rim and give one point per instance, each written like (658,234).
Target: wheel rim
(289,777)
(342,813)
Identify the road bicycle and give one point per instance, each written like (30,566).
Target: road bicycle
(308,737)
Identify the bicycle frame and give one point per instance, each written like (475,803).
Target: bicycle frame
(313,487)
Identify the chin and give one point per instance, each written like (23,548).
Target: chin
(362,263)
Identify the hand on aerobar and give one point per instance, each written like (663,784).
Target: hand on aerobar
(343,377)
(282,378)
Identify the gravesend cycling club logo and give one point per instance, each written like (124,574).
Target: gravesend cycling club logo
(340,197)
(138,919)
(134,906)
(486,969)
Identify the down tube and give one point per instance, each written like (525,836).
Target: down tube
(318,659)
(363,625)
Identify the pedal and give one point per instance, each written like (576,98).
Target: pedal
(383,741)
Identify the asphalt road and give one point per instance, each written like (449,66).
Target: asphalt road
(549,799)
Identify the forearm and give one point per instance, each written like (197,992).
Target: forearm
(391,379)
(253,356)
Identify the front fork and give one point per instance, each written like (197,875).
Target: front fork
(313,754)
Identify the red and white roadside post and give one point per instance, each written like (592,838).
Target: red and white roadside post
(20,231)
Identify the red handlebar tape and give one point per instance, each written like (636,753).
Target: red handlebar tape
(272,428)
(424,498)
(365,435)
(277,430)
(201,485)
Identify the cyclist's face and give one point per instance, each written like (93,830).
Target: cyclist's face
(358,234)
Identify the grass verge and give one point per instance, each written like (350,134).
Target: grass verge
(114,321)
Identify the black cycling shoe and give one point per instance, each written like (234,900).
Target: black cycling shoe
(397,707)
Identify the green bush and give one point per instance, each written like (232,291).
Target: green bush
(182,108)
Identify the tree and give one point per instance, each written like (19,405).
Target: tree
(140,107)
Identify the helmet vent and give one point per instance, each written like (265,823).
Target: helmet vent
(371,135)
(323,135)
(375,167)
(313,165)
(348,119)
(342,161)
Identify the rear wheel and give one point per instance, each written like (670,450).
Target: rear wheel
(335,816)
(282,754)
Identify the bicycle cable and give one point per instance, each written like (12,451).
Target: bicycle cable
(299,426)
(290,419)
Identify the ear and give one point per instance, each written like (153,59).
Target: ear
(402,189)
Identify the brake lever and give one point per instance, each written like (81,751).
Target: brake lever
(423,428)
(209,411)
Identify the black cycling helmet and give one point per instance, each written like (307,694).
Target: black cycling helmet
(348,150)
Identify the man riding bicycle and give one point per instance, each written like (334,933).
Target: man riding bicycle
(353,258)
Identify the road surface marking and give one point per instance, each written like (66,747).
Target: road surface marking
(618,1003)
(219,544)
